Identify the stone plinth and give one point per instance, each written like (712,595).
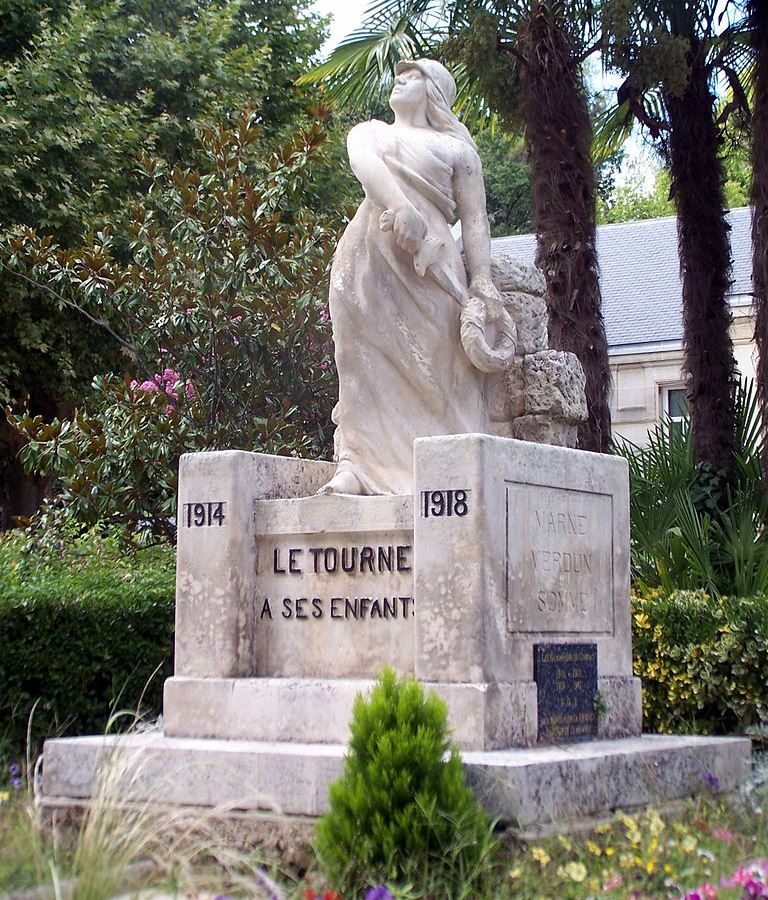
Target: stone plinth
(532,791)
(504,545)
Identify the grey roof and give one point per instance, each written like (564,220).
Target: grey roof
(640,274)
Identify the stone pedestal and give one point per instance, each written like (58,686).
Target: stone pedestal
(502,584)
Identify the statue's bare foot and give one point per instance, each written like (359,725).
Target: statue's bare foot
(342,483)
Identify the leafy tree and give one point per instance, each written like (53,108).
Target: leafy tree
(218,305)
(671,52)
(83,89)
(522,60)
(507,183)
(633,200)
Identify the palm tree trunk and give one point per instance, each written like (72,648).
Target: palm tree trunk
(559,136)
(758,21)
(705,262)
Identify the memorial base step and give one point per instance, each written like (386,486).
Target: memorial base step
(482,716)
(531,791)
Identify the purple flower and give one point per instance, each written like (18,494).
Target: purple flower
(378,893)
(15,770)
(712,781)
(16,783)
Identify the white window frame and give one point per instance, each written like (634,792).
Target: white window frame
(664,391)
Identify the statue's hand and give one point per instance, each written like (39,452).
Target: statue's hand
(409,227)
(483,288)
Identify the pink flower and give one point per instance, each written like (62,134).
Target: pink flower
(613,883)
(190,391)
(751,876)
(707,891)
(169,409)
(723,834)
(149,386)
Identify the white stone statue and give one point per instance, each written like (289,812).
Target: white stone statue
(412,347)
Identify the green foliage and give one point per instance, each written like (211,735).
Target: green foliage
(507,183)
(84,87)
(633,200)
(220,302)
(83,627)
(702,660)
(689,528)
(401,810)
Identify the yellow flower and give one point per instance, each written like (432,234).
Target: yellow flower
(4,797)
(688,843)
(642,620)
(603,828)
(627,821)
(594,848)
(626,860)
(609,851)
(656,823)
(594,885)
(564,842)
(650,866)
(576,871)
(540,855)
(516,872)
(668,870)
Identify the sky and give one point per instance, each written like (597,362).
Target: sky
(348,15)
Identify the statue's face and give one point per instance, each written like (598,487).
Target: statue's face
(410,90)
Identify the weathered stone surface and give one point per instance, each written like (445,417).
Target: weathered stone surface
(559,560)
(470,616)
(554,384)
(481,716)
(543,790)
(515,378)
(529,313)
(216,577)
(510,273)
(620,706)
(543,429)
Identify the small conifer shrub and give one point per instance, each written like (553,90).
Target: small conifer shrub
(401,811)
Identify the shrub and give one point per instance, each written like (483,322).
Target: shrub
(401,809)
(690,529)
(81,633)
(702,661)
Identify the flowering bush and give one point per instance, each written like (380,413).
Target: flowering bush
(218,303)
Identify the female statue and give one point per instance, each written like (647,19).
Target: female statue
(399,300)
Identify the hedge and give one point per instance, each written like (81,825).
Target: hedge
(81,636)
(704,662)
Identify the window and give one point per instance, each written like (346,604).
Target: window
(674,404)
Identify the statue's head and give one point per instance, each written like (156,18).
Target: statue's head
(427,83)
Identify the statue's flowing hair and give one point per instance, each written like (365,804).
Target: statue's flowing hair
(442,118)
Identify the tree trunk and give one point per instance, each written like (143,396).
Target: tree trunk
(758,20)
(705,263)
(559,136)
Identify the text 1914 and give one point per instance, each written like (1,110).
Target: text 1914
(204,515)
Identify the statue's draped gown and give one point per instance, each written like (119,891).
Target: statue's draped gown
(402,370)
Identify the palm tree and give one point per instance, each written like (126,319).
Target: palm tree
(758,29)
(521,60)
(670,52)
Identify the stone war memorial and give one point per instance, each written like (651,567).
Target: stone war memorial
(458,537)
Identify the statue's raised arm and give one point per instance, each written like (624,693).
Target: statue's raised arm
(410,332)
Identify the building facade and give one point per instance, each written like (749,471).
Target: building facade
(642,307)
